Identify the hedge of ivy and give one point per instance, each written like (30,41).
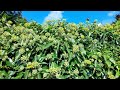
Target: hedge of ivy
(59,50)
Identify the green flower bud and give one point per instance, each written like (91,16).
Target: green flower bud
(82,36)
(10,22)
(76,71)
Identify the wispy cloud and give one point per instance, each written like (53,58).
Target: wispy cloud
(54,15)
(112,13)
(99,24)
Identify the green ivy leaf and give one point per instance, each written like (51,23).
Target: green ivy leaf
(9,64)
(17,56)
(26,74)
(112,60)
(83,51)
(19,75)
(108,63)
(47,46)
(85,74)
(21,68)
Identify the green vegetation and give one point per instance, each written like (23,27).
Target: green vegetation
(59,50)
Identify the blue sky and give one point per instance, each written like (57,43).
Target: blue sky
(71,16)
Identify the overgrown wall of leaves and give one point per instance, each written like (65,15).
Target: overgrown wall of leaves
(59,50)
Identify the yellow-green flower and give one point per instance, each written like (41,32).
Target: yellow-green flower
(29,65)
(3,19)
(111,27)
(110,75)
(43,37)
(27,24)
(49,56)
(76,33)
(65,55)
(92,60)
(47,34)
(69,34)
(19,29)
(34,72)
(32,65)
(95,41)
(57,75)
(23,36)
(76,71)
(86,29)
(61,29)
(99,60)
(75,48)
(10,22)
(81,45)
(36,37)
(14,38)
(31,30)
(21,50)
(73,26)
(54,70)
(14,46)
(99,54)
(31,42)
(66,63)
(35,63)
(116,27)
(30,36)
(51,39)
(116,33)
(1,30)
(94,56)
(6,33)
(5,57)
(87,62)
(24,58)
(38,48)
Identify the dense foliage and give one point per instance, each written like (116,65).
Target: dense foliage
(59,50)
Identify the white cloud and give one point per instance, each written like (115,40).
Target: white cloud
(54,15)
(112,13)
(99,24)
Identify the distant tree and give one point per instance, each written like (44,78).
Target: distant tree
(14,16)
(117,17)
(11,13)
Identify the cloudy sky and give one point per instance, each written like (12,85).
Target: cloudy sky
(71,16)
